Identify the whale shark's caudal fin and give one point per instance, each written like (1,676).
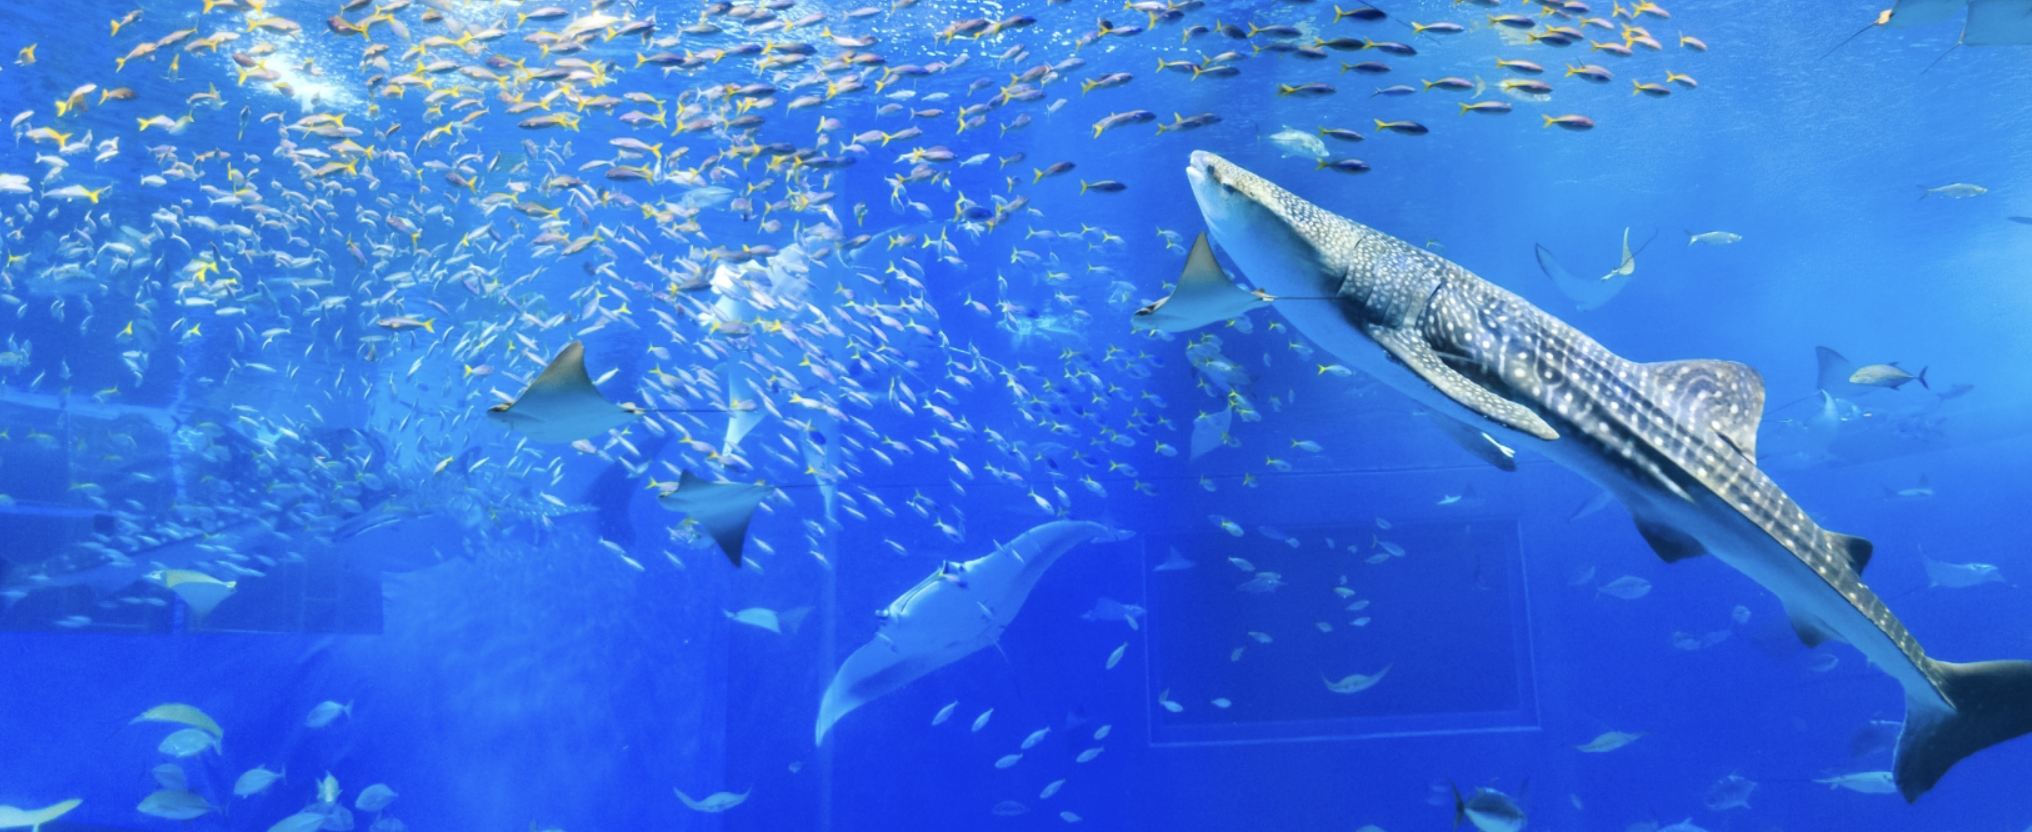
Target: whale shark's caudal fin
(1992,703)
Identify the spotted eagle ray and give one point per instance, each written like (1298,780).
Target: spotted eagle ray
(724,508)
(33,819)
(562,405)
(1989,22)
(1591,294)
(1204,295)
(201,592)
(1674,441)
(959,609)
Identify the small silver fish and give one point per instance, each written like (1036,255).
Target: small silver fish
(1298,143)
(1958,190)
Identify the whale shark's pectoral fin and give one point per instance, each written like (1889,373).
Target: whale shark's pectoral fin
(1411,349)
(1810,632)
(1475,441)
(1671,544)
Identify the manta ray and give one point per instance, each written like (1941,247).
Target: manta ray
(959,609)
(562,405)
(1675,441)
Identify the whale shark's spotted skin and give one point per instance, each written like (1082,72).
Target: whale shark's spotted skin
(1683,424)
(1690,425)
(1674,441)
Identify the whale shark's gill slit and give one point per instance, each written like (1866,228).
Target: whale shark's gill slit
(1457,358)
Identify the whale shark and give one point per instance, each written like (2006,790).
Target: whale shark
(1674,441)
(959,609)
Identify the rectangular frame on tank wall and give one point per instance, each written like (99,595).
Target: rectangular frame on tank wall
(1461,662)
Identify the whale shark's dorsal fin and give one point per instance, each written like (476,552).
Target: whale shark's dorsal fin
(1857,549)
(1810,632)
(1722,396)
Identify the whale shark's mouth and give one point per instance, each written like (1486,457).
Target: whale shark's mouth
(1260,227)
(1203,173)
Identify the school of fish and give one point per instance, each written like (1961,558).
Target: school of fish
(302,245)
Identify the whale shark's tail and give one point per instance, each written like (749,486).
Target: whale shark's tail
(1992,703)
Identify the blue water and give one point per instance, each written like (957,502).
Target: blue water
(196,380)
